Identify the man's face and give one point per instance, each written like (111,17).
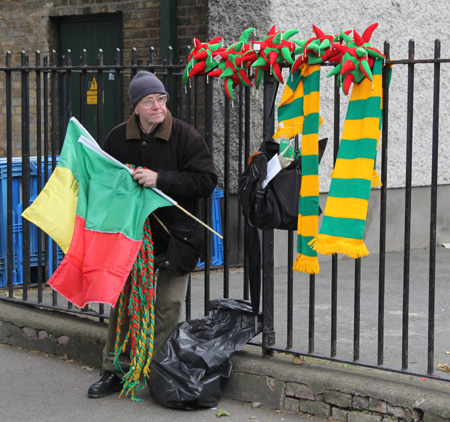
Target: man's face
(152,109)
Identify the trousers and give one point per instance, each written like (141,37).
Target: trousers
(171,288)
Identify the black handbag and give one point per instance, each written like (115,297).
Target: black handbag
(276,205)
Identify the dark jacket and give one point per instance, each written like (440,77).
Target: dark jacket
(186,173)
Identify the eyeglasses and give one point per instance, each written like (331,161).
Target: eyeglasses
(150,102)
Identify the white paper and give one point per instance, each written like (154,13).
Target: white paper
(273,168)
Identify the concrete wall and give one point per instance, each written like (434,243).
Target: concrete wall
(399,21)
(395,222)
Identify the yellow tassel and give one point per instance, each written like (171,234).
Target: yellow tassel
(289,132)
(327,245)
(306,264)
(376,181)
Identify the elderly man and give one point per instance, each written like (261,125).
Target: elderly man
(172,156)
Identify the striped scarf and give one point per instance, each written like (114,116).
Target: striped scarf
(290,121)
(137,300)
(345,212)
(308,207)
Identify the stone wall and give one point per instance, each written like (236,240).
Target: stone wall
(336,392)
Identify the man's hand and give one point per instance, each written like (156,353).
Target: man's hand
(145,177)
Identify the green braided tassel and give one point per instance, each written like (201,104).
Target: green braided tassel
(137,300)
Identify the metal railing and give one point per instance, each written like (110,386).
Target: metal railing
(44,116)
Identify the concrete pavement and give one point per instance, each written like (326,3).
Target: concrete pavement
(339,392)
(36,387)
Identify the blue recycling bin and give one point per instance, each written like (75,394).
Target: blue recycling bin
(17,207)
(217,246)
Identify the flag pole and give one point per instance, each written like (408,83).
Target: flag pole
(175,203)
(198,220)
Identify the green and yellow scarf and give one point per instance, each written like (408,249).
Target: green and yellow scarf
(345,213)
(354,173)
(299,113)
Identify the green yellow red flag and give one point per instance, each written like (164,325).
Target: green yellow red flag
(92,203)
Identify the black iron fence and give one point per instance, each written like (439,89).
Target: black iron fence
(40,98)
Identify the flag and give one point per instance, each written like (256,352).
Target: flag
(55,208)
(110,212)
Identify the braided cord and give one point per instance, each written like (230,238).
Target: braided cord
(137,301)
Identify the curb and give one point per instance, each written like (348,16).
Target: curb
(322,389)
(330,390)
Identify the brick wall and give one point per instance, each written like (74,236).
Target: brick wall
(29,25)
(192,21)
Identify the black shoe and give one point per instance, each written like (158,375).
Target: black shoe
(108,384)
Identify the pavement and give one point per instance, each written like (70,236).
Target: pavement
(283,385)
(38,387)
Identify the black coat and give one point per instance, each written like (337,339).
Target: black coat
(186,173)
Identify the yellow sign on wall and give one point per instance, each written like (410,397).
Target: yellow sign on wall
(92,93)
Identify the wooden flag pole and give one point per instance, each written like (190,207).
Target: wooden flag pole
(198,220)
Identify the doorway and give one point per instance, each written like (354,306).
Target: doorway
(92,32)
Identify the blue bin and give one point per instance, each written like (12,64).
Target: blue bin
(17,219)
(34,255)
(16,183)
(217,246)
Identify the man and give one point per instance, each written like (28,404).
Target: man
(174,158)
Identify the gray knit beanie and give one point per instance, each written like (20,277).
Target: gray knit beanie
(143,84)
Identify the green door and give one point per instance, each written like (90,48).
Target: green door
(92,32)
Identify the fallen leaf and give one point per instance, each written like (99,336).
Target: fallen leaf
(447,353)
(444,367)
(298,360)
(222,413)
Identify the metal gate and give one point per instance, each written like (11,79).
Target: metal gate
(28,164)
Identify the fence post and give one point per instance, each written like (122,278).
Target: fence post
(9,149)
(117,89)
(383,203)
(56,146)
(433,209)
(25,105)
(100,107)
(39,169)
(209,138)
(270,93)
(83,87)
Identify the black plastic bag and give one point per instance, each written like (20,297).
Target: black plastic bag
(191,368)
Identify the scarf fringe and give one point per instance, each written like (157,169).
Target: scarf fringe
(327,245)
(288,132)
(306,264)
(376,181)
